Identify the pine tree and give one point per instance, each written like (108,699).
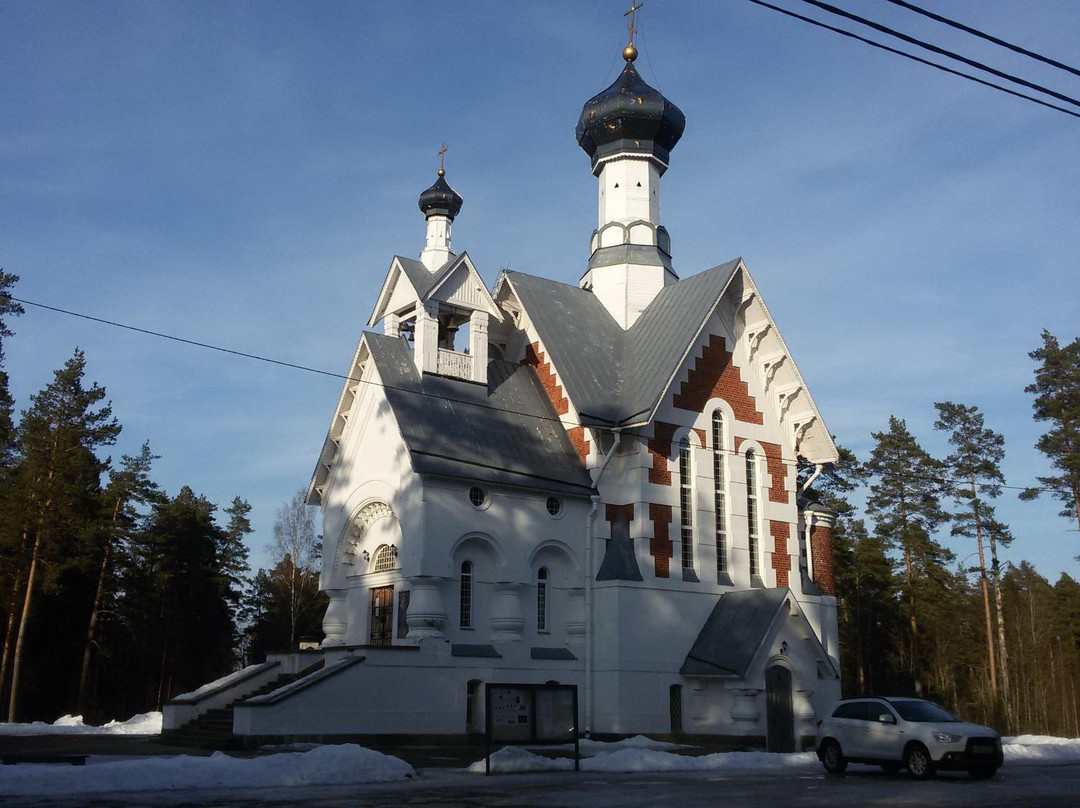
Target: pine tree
(233,554)
(10,543)
(58,484)
(1057,400)
(905,504)
(129,486)
(975,466)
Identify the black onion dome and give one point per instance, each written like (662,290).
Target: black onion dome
(440,199)
(629,116)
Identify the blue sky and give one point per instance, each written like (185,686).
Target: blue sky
(240,173)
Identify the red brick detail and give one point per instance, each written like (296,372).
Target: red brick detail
(580,439)
(611,512)
(781,559)
(534,357)
(660,449)
(661,547)
(701,437)
(775,459)
(821,552)
(738,443)
(714,375)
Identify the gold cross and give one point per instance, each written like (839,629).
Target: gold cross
(630,25)
(442,156)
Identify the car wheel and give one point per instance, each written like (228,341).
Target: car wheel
(892,767)
(982,772)
(831,757)
(918,763)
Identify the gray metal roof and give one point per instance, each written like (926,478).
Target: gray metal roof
(418,274)
(733,632)
(505,432)
(615,376)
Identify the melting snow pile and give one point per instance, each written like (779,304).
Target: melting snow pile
(141,724)
(325,765)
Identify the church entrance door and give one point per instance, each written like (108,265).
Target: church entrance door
(779,715)
(382,615)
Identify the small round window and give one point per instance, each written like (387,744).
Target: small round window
(477,496)
(554,506)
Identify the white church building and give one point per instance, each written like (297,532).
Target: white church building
(589,484)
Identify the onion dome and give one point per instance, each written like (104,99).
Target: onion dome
(629,116)
(440,199)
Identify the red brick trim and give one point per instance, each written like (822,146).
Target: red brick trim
(821,552)
(781,559)
(777,470)
(580,438)
(661,547)
(535,358)
(660,451)
(714,375)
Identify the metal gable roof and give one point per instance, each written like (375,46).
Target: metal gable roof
(611,375)
(505,432)
(733,632)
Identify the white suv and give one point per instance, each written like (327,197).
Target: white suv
(901,732)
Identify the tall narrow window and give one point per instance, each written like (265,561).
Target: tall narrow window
(752,509)
(719,493)
(686,503)
(542,600)
(465,612)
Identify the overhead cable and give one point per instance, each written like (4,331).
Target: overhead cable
(383,385)
(989,38)
(942,51)
(913,57)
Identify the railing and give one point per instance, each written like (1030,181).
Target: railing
(452,363)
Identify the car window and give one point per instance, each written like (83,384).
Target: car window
(919,710)
(876,709)
(850,709)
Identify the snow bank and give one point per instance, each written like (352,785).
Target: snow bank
(1040,749)
(141,724)
(519,759)
(327,765)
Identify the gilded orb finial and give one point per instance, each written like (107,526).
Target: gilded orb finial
(630,52)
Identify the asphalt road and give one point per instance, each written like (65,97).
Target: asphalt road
(1016,787)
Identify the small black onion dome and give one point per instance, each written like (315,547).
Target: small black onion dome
(440,199)
(629,116)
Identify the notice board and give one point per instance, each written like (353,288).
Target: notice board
(531,714)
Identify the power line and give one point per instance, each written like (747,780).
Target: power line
(942,51)
(989,38)
(346,377)
(912,57)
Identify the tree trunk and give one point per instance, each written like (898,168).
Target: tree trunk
(106,553)
(20,637)
(990,640)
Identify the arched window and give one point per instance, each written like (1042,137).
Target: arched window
(542,600)
(384,559)
(752,509)
(686,503)
(466,603)
(719,493)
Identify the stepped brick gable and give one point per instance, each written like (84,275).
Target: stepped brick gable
(714,375)
(534,357)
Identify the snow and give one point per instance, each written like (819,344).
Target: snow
(349,764)
(223,682)
(141,724)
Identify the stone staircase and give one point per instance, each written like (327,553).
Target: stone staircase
(213,729)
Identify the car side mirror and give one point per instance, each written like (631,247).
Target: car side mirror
(886,718)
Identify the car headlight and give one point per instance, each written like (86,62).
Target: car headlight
(945,737)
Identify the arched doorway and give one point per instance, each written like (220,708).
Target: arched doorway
(779,714)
